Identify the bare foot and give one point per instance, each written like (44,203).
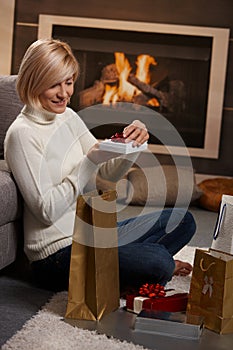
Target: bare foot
(182,268)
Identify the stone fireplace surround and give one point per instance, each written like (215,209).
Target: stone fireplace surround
(219,38)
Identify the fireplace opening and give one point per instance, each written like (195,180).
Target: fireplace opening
(168,73)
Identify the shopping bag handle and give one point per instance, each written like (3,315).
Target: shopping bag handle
(219,221)
(205,269)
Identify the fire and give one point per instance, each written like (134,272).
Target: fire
(153,102)
(110,94)
(143,67)
(124,90)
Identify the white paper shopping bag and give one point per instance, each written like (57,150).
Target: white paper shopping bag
(223,235)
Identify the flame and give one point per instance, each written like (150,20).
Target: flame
(110,92)
(143,65)
(125,91)
(153,102)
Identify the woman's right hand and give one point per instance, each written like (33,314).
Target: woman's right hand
(98,156)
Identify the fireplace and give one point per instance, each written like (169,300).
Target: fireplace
(175,71)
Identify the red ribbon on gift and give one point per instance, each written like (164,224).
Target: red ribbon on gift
(118,137)
(152,290)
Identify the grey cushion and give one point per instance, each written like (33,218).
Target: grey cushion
(8,248)
(10,106)
(4,166)
(11,203)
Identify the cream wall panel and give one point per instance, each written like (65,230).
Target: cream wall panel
(6,34)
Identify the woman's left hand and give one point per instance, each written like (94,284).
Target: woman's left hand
(136,131)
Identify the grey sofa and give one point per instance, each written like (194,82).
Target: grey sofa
(10,200)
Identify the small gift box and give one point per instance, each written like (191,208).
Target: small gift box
(170,300)
(117,144)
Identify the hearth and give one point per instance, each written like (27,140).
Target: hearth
(176,71)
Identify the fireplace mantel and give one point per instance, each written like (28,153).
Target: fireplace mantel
(219,53)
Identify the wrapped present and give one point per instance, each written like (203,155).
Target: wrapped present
(156,298)
(118,144)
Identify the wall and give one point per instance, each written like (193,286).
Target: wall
(6,34)
(212,13)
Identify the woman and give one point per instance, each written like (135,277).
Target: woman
(52,156)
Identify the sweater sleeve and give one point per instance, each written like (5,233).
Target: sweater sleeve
(116,168)
(47,199)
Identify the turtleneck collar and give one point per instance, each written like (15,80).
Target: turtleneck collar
(40,116)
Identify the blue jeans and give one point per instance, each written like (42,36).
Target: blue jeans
(148,258)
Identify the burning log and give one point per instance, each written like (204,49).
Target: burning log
(144,87)
(92,95)
(141,99)
(173,99)
(109,74)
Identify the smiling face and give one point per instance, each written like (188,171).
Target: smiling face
(56,98)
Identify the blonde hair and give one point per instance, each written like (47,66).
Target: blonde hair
(45,63)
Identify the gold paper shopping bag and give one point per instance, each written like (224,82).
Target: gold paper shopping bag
(211,290)
(94,268)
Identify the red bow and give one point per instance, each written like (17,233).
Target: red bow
(118,137)
(152,290)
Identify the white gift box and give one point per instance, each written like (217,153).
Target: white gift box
(120,147)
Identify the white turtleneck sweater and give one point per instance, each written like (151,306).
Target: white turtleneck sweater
(47,156)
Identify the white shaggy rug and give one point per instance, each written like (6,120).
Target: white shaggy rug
(47,330)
